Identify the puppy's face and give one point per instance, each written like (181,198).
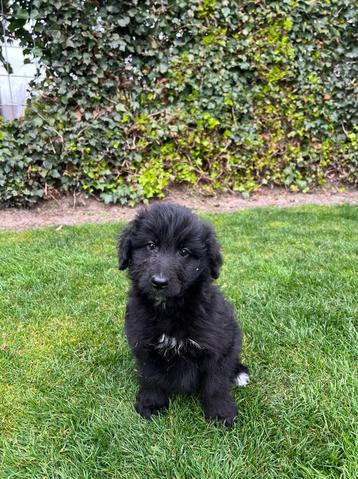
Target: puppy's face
(167,250)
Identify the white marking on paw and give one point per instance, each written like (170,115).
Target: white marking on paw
(242,380)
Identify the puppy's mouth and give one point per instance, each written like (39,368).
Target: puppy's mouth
(159,300)
(160,297)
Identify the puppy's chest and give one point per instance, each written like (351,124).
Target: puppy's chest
(167,345)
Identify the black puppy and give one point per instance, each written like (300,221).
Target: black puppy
(182,331)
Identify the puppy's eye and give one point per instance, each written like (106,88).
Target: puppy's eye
(184,252)
(151,245)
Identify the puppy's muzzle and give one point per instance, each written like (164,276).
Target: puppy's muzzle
(159,282)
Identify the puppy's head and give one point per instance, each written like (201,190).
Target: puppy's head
(168,249)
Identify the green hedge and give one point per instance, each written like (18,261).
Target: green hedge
(221,95)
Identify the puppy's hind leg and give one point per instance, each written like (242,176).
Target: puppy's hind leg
(241,375)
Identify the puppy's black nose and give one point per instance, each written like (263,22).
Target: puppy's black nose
(159,282)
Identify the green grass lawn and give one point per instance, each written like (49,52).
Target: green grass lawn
(67,380)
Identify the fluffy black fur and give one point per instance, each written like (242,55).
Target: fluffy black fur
(182,331)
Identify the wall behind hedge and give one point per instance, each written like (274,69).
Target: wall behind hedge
(221,95)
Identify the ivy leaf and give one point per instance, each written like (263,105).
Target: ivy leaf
(123,22)
(21,13)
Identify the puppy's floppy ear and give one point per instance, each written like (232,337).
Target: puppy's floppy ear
(213,249)
(125,247)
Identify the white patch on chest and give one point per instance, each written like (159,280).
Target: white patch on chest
(170,344)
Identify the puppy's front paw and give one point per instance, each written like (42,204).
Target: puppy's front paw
(147,409)
(222,411)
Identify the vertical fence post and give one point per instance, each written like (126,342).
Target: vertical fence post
(6,56)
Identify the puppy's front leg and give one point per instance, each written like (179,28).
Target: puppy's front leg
(151,400)
(218,402)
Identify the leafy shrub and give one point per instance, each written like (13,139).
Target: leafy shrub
(215,94)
